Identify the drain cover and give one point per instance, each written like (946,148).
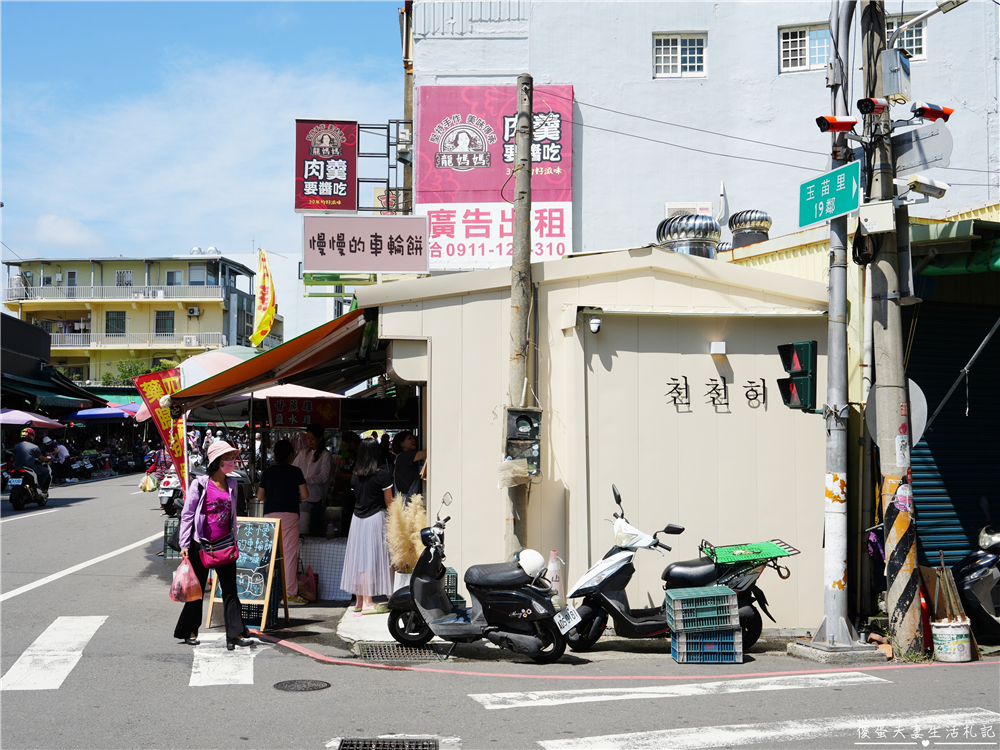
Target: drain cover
(386,743)
(381,651)
(301,686)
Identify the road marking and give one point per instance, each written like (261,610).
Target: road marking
(30,515)
(56,576)
(444,742)
(560,697)
(214,664)
(49,660)
(847,727)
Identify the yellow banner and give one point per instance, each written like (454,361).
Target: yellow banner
(263,317)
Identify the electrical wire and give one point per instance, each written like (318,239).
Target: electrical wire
(964,169)
(684,127)
(696,150)
(11,249)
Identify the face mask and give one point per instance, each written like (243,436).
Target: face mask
(227,466)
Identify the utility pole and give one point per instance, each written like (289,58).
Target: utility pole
(893,439)
(835,632)
(515,533)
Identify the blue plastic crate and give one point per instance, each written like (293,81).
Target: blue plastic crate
(720,647)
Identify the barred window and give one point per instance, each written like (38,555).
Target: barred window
(164,323)
(114,321)
(680,55)
(805,47)
(912,39)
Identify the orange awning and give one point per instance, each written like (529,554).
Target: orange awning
(338,340)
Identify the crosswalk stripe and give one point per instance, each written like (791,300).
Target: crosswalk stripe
(559,697)
(739,735)
(49,660)
(215,665)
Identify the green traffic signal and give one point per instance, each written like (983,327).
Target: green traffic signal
(799,361)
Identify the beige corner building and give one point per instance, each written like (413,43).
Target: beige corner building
(733,464)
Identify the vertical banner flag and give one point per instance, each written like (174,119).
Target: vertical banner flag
(263,317)
(326,166)
(154,387)
(463,174)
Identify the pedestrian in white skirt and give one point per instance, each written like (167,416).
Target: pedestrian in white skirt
(367,572)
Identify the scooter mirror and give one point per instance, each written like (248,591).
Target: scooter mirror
(673,528)
(446,499)
(617,494)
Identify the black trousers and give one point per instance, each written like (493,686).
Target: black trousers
(44,477)
(191,615)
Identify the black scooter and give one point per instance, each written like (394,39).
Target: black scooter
(514,609)
(24,489)
(977,577)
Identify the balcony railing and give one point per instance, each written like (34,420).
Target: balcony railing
(271,341)
(33,293)
(131,340)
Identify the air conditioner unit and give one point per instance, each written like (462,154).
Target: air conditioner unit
(190,341)
(194,312)
(160,293)
(58,278)
(684,209)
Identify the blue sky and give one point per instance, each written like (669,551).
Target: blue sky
(146,128)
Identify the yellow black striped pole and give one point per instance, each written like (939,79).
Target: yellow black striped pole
(901,573)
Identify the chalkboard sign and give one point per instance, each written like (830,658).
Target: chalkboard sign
(261,558)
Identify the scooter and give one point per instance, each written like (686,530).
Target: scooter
(512,603)
(171,494)
(603,586)
(24,489)
(976,577)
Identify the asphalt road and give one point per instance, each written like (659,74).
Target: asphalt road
(95,644)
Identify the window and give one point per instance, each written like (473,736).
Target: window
(679,55)
(123,278)
(164,323)
(46,281)
(912,39)
(175,278)
(805,47)
(196,274)
(114,321)
(71,278)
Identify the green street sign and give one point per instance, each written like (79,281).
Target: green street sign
(834,194)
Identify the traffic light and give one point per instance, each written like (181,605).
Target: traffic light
(799,360)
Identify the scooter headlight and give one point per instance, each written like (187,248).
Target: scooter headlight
(624,539)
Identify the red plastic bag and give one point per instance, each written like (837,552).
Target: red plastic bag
(308,584)
(185,587)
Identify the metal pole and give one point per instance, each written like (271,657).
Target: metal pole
(893,437)
(516,535)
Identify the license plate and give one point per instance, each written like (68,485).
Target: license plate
(568,619)
(76,466)
(166,493)
(16,481)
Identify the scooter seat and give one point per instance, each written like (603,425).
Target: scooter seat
(497,575)
(700,572)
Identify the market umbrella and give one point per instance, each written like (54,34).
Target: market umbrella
(23,418)
(101,413)
(203,366)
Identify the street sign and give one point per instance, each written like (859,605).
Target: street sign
(834,194)
(923,148)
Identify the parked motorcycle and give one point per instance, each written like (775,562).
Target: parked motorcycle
(24,489)
(8,465)
(171,494)
(512,603)
(81,468)
(603,586)
(976,577)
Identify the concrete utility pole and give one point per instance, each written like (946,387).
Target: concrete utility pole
(893,437)
(515,535)
(835,631)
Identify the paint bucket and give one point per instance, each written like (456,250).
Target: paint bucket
(951,640)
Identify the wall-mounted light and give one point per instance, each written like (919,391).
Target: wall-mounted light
(717,347)
(595,323)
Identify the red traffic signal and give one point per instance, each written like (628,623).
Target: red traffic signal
(799,361)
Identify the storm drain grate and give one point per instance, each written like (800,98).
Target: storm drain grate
(354,743)
(301,686)
(395,652)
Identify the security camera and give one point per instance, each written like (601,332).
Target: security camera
(927,186)
(829,123)
(931,112)
(595,324)
(872,106)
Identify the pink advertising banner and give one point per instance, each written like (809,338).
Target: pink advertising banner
(465,158)
(366,244)
(326,165)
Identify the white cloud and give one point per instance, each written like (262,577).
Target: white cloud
(205,160)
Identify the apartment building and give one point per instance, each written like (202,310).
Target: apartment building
(104,310)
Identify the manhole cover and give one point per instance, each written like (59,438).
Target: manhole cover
(301,686)
(394,652)
(385,743)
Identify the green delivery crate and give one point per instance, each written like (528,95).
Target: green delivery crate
(702,609)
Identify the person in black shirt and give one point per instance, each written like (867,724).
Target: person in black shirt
(367,572)
(409,462)
(282,488)
(27,455)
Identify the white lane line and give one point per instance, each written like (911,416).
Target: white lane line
(30,515)
(49,660)
(214,664)
(62,573)
(560,697)
(848,728)
(449,742)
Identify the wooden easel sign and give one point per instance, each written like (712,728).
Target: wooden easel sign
(262,556)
